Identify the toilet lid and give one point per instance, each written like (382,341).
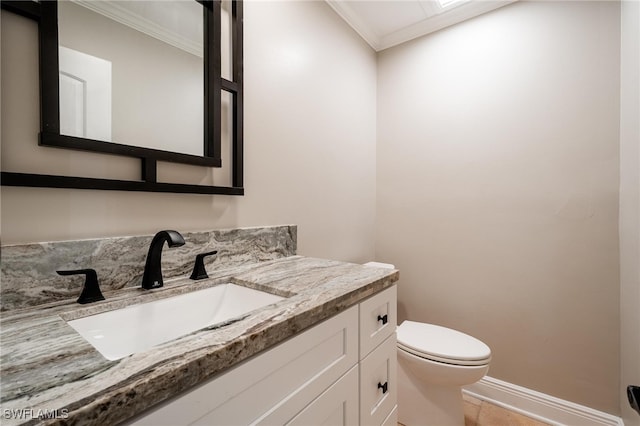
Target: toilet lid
(442,344)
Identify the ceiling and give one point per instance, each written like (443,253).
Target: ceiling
(386,23)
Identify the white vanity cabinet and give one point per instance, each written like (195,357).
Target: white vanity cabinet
(378,361)
(339,372)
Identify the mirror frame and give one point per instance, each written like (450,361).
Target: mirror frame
(46,14)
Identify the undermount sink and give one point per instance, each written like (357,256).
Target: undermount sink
(121,332)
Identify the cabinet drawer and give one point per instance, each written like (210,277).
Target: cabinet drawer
(338,405)
(272,387)
(378,319)
(378,383)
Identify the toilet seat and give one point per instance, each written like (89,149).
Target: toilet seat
(441,344)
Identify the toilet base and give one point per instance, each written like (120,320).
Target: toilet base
(425,404)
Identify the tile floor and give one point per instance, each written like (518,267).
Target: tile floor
(482,413)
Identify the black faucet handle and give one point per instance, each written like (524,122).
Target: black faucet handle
(199,271)
(91,290)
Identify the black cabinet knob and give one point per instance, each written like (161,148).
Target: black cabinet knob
(384,387)
(384,319)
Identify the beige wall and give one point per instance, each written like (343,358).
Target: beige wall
(497,175)
(498,190)
(630,204)
(310,115)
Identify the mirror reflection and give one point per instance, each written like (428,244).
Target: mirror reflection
(133,73)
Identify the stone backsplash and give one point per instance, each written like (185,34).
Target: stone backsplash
(28,272)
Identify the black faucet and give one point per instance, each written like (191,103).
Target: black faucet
(152,277)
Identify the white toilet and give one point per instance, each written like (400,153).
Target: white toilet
(434,363)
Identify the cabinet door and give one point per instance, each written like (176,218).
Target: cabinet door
(392,418)
(378,319)
(272,387)
(378,383)
(338,405)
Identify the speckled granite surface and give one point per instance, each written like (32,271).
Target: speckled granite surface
(28,272)
(48,368)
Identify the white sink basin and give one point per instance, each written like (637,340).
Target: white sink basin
(116,334)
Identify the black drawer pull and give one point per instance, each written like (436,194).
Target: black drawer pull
(384,319)
(383,387)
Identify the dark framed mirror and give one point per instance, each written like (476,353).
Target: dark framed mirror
(187,68)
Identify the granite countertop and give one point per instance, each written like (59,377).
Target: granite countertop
(49,369)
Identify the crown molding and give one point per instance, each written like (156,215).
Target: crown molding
(354,21)
(449,16)
(442,20)
(116,12)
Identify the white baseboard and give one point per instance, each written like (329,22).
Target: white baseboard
(538,405)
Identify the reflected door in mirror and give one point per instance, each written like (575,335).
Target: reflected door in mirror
(85,95)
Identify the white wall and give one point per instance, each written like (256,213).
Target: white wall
(498,189)
(310,92)
(310,124)
(630,204)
